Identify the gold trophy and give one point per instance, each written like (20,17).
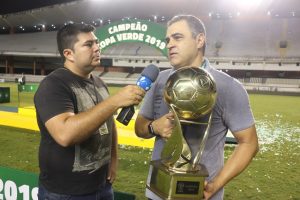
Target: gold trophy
(191,94)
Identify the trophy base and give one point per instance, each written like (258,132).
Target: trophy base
(169,185)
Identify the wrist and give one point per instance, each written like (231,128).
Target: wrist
(114,102)
(151,129)
(215,185)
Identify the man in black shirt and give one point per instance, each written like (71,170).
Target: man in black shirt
(78,148)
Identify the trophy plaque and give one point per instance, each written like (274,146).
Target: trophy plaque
(191,94)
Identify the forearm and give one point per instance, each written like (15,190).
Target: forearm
(69,128)
(141,127)
(161,127)
(238,162)
(114,146)
(89,121)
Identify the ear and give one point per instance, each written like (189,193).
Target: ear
(68,54)
(200,40)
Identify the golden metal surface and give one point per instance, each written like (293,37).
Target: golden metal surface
(191,95)
(169,185)
(191,91)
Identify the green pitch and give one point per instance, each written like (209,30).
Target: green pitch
(274,173)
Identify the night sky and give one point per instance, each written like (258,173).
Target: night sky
(12,6)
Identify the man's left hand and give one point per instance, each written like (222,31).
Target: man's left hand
(112,171)
(209,190)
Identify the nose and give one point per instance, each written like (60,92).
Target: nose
(170,44)
(97,47)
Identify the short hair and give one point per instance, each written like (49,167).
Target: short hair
(67,36)
(194,23)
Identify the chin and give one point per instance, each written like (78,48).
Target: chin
(175,62)
(176,65)
(96,64)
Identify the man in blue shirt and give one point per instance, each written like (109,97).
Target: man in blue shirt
(186,42)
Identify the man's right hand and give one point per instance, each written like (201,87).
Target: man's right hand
(129,95)
(164,125)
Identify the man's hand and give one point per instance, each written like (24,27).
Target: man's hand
(112,171)
(242,155)
(164,125)
(129,95)
(209,190)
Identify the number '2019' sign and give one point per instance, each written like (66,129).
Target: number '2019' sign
(9,190)
(15,185)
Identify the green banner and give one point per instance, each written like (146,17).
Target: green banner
(133,30)
(15,185)
(19,185)
(4,94)
(27,88)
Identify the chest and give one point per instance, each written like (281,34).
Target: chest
(160,107)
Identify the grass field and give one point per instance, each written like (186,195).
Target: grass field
(274,173)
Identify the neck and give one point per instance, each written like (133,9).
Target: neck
(77,70)
(202,63)
(196,63)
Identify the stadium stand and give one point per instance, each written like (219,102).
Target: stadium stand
(29,44)
(115,75)
(256,49)
(131,49)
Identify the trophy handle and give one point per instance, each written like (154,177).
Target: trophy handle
(176,151)
(202,143)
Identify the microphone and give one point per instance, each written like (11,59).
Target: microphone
(148,76)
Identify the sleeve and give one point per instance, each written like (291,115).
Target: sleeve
(238,114)
(53,97)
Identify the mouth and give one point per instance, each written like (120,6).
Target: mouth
(98,57)
(172,54)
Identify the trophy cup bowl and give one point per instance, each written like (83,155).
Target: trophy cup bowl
(191,94)
(191,91)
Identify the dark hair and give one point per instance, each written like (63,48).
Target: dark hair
(195,24)
(67,36)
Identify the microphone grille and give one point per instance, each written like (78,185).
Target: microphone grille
(151,71)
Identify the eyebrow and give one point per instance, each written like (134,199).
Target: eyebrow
(88,41)
(173,35)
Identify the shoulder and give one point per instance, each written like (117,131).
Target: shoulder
(58,74)
(231,94)
(163,75)
(56,80)
(165,72)
(162,78)
(225,83)
(100,83)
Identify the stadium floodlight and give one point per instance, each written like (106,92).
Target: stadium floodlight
(293,13)
(242,5)
(245,4)
(99,21)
